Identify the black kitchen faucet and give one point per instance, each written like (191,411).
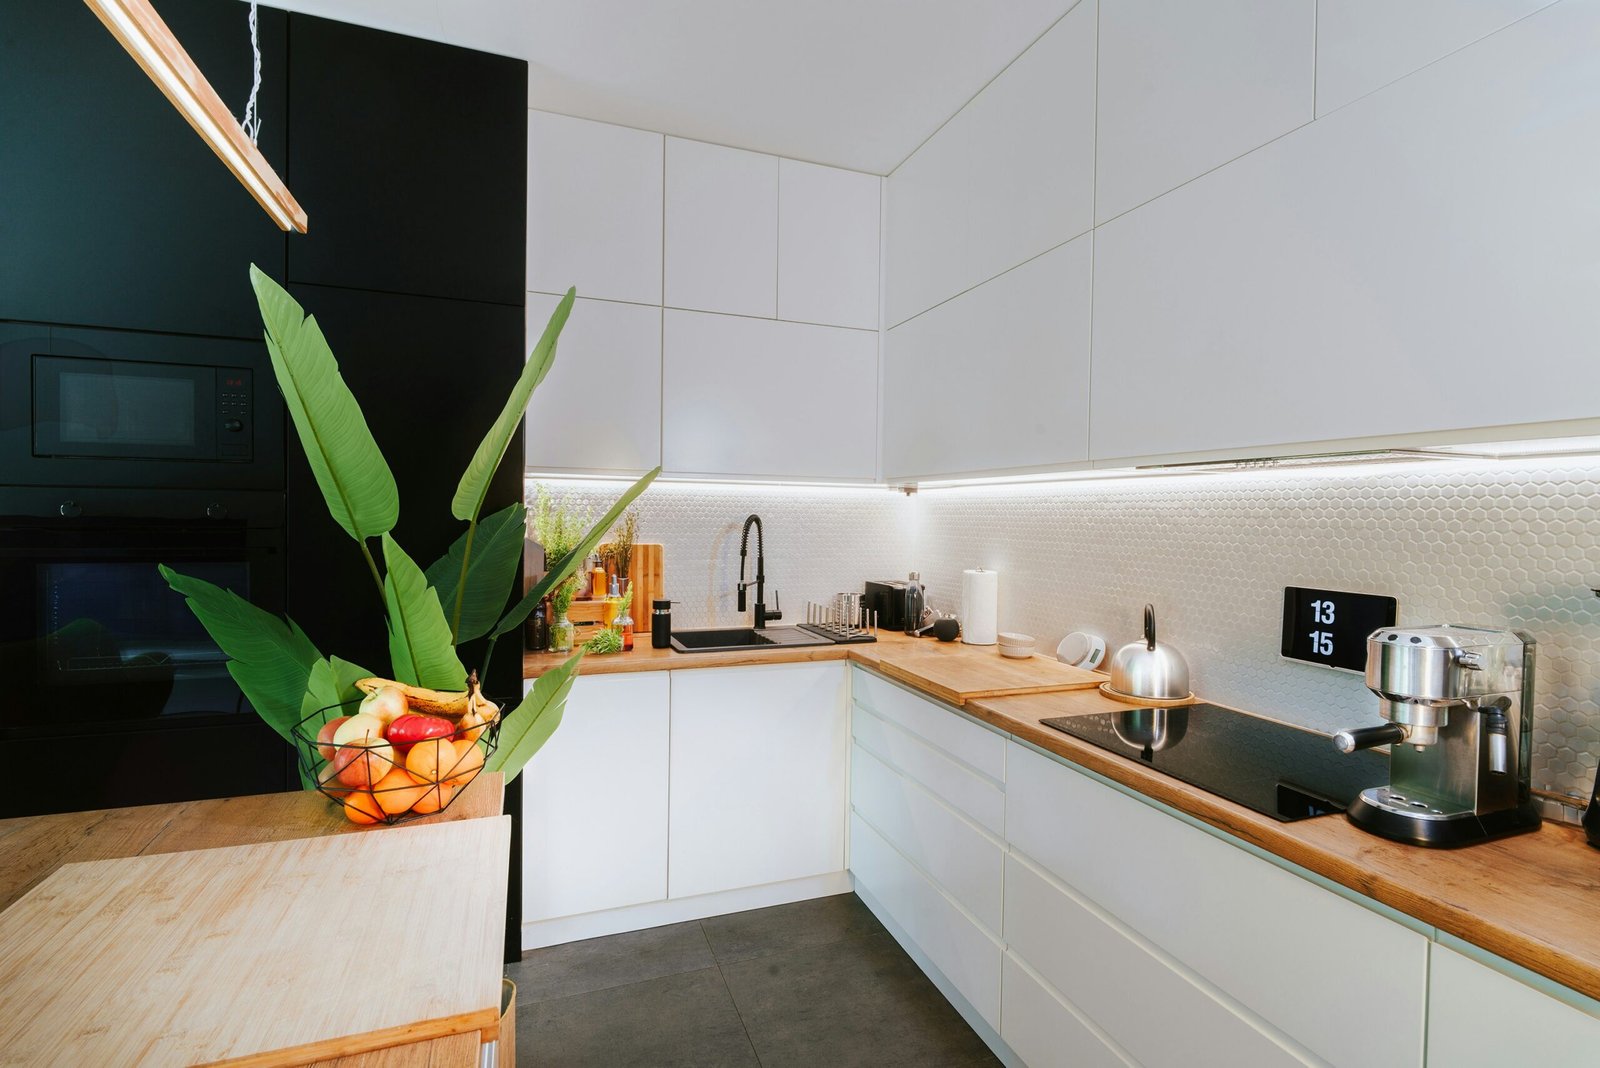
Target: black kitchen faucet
(762,615)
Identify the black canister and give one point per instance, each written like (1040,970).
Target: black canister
(660,624)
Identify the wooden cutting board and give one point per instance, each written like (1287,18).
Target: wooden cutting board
(958,674)
(280,953)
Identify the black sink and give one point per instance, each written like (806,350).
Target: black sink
(731,639)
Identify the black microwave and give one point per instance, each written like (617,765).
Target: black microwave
(104,408)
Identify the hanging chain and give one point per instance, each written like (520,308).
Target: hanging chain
(251,123)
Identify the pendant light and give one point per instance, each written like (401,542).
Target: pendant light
(147,39)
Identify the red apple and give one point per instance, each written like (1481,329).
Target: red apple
(363,764)
(411,728)
(325,736)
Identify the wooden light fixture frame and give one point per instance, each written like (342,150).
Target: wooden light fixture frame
(137,27)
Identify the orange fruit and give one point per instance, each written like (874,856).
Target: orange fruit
(432,759)
(362,807)
(434,798)
(398,791)
(469,761)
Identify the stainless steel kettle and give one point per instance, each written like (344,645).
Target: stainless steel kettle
(1145,669)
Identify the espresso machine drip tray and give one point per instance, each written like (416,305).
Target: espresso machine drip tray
(1279,770)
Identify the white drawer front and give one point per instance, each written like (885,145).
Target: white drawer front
(1299,956)
(950,780)
(963,860)
(967,955)
(1041,1030)
(936,724)
(1095,966)
(1480,1018)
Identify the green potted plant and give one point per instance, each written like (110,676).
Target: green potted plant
(430,612)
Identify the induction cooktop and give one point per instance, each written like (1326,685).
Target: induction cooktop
(1282,771)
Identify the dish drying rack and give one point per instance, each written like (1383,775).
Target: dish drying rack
(842,620)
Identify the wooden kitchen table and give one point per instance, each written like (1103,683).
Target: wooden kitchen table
(89,982)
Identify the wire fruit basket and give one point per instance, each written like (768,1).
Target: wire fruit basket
(383,776)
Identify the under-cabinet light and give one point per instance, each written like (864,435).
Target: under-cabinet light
(147,39)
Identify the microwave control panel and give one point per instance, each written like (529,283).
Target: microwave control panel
(234,400)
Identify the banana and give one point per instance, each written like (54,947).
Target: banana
(444,703)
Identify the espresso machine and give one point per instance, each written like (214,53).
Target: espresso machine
(1459,701)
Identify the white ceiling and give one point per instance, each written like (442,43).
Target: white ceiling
(852,83)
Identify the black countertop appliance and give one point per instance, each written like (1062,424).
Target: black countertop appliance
(1279,770)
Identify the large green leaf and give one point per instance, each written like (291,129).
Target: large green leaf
(270,658)
(491,570)
(419,637)
(332,682)
(528,726)
(474,486)
(351,471)
(560,570)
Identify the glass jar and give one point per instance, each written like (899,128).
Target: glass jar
(624,627)
(561,634)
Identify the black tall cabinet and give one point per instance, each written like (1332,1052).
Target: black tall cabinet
(113,212)
(410,159)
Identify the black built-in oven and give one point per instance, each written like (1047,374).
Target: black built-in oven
(118,452)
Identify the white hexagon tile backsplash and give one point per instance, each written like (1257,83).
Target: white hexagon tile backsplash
(1509,544)
(819,541)
(1504,544)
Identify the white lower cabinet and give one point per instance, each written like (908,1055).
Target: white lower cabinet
(1123,986)
(966,954)
(758,775)
(1306,961)
(1041,1029)
(1482,1018)
(956,854)
(594,801)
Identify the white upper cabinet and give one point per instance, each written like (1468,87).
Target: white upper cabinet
(594,209)
(996,379)
(827,245)
(767,398)
(1420,261)
(1365,44)
(1185,87)
(599,409)
(722,229)
(1008,177)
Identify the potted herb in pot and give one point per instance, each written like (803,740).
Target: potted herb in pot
(380,762)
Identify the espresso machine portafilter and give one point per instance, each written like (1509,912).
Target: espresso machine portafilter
(1459,705)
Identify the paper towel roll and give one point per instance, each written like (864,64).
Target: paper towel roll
(980,612)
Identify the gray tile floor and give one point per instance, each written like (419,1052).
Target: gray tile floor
(815,984)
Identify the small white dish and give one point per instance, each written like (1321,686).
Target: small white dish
(1082,649)
(1011,637)
(1017,652)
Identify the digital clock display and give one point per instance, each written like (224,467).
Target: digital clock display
(1330,628)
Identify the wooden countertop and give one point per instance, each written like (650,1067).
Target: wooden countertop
(32,847)
(1533,899)
(268,954)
